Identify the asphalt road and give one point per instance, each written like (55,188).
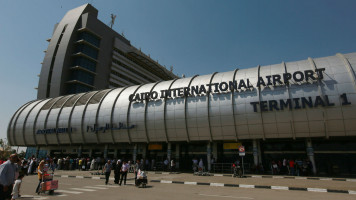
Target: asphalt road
(77,188)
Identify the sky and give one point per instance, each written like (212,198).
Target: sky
(193,36)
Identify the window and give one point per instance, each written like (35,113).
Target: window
(77,88)
(85,63)
(83,77)
(89,38)
(87,50)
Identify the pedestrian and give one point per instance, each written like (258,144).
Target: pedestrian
(7,177)
(107,170)
(291,167)
(124,169)
(201,165)
(172,165)
(117,171)
(138,166)
(40,174)
(16,189)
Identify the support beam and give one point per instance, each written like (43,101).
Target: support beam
(310,154)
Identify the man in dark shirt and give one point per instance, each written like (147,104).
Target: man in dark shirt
(107,170)
(117,171)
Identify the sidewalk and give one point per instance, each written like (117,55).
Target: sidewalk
(258,180)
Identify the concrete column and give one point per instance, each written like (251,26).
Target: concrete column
(215,151)
(255,152)
(310,154)
(90,153)
(208,155)
(144,152)
(259,152)
(115,153)
(169,151)
(134,154)
(177,156)
(37,151)
(80,151)
(106,151)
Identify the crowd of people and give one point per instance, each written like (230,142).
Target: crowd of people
(297,167)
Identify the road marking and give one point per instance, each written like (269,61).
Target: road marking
(112,179)
(163,181)
(218,175)
(95,177)
(33,197)
(64,176)
(79,177)
(61,195)
(279,188)
(301,178)
(217,184)
(82,189)
(352,180)
(223,196)
(325,179)
(317,190)
(277,177)
(190,183)
(108,186)
(352,192)
(246,186)
(165,172)
(67,191)
(93,187)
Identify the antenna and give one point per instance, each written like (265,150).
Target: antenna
(113,17)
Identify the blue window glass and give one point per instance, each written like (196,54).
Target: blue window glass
(87,50)
(83,77)
(89,38)
(85,63)
(77,88)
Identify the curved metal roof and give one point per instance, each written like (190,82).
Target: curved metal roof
(254,103)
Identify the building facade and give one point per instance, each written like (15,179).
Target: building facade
(303,109)
(84,54)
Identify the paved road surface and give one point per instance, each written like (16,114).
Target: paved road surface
(77,188)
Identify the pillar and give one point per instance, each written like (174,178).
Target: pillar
(177,156)
(259,152)
(115,153)
(208,155)
(169,151)
(80,151)
(144,152)
(215,151)
(37,151)
(134,154)
(90,153)
(310,154)
(106,151)
(255,152)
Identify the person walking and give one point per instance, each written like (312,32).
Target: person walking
(7,177)
(117,171)
(124,169)
(40,173)
(138,166)
(16,189)
(107,170)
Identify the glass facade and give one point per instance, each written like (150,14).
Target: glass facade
(83,77)
(89,38)
(78,88)
(87,50)
(85,63)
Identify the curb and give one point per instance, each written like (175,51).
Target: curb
(293,177)
(258,186)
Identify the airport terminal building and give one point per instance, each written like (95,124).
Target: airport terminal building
(303,109)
